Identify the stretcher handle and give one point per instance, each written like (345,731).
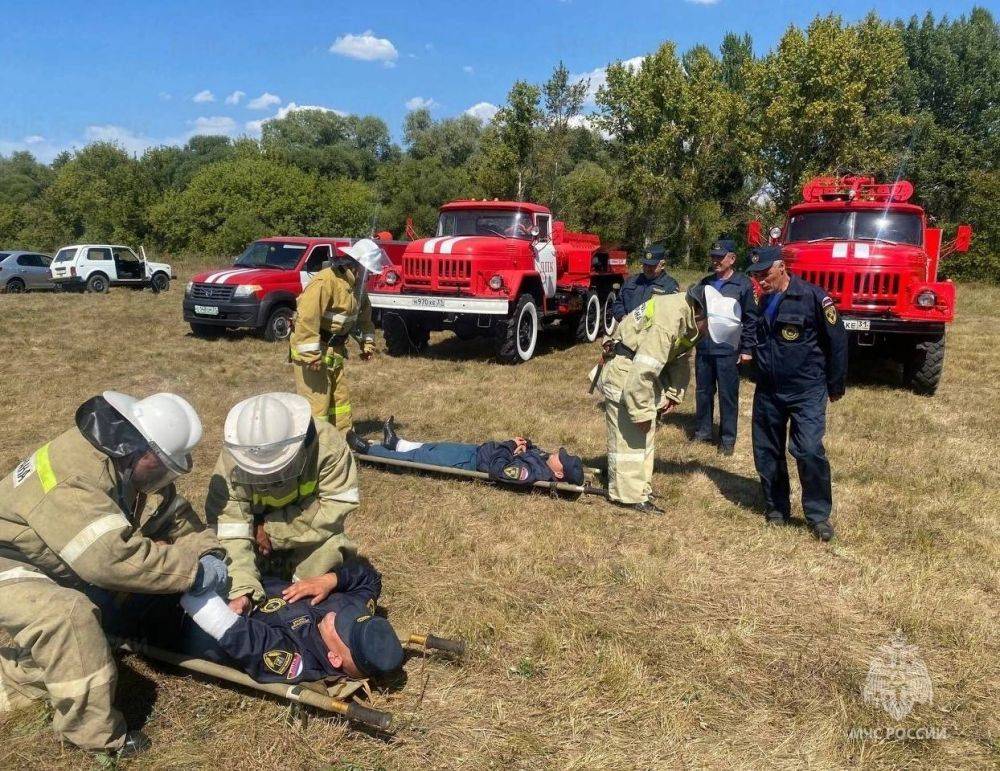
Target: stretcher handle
(439,643)
(373,717)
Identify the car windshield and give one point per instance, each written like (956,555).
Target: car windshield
(891,227)
(65,255)
(269,254)
(485,222)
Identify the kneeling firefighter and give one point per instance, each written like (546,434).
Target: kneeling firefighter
(281,490)
(332,307)
(95,507)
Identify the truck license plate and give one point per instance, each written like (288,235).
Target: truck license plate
(206,310)
(857,325)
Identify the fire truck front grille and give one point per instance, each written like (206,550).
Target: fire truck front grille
(418,270)
(452,272)
(831,281)
(876,289)
(217,292)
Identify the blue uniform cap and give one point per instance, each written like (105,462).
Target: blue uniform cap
(722,248)
(763,258)
(374,646)
(572,467)
(652,259)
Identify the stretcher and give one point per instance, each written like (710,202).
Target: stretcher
(333,695)
(590,486)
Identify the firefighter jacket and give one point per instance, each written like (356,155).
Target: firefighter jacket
(66,511)
(805,346)
(652,344)
(306,511)
(329,308)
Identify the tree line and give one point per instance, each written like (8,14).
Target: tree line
(680,149)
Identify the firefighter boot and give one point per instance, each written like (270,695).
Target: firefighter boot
(389,437)
(356,443)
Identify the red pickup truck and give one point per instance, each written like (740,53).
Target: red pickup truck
(259,289)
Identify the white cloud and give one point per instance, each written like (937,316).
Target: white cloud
(419,103)
(483,110)
(235,97)
(366,47)
(599,77)
(203,96)
(253,127)
(702,2)
(217,124)
(467,69)
(164,96)
(34,139)
(264,101)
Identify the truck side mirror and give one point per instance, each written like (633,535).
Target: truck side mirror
(963,238)
(535,232)
(755,235)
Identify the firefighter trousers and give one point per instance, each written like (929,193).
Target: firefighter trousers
(630,456)
(326,388)
(59,651)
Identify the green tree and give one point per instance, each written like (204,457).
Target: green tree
(505,167)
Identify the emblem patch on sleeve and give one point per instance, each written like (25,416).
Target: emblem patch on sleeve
(23,470)
(790,333)
(295,668)
(273,604)
(278,661)
(515,473)
(831,314)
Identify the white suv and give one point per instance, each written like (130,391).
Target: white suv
(95,267)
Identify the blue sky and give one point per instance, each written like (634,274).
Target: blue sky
(141,73)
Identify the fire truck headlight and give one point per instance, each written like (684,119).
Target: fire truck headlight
(496,283)
(775,234)
(391,278)
(926,299)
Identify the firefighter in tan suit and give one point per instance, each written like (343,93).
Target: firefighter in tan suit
(647,375)
(95,508)
(282,488)
(332,307)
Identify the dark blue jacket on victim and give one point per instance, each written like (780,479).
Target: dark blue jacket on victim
(740,288)
(499,461)
(805,347)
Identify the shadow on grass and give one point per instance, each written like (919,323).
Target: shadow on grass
(135,695)
(452,348)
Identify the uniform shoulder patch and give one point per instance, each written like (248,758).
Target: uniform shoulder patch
(831,315)
(278,661)
(273,604)
(23,470)
(295,668)
(300,621)
(827,301)
(371,607)
(515,472)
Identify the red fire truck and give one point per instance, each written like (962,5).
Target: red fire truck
(875,255)
(259,289)
(500,270)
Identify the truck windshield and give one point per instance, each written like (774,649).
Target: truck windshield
(891,227)
(485,222)
(65,255)
(268,254)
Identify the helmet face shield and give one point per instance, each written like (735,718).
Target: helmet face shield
(250,462)
(148,472)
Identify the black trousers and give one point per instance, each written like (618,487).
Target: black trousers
(805,414)
(717,373)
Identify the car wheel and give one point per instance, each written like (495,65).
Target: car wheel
(279,325)
(160,282)
(520,334)
(403,335)
(14,286)
(97,282)
(923,368)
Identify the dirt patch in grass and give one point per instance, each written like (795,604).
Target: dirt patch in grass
(598,639)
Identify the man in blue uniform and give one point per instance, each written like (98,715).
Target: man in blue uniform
(717,363)
(312,629)
(514,462)
(640,287)
(801,351)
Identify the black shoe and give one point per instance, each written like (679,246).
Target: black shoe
(775,519)
(700,437)
(356,443)
(389,438)
(646,507)
(726,449)
(136,743)
(822,530)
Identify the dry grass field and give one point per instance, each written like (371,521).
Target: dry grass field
(598,638)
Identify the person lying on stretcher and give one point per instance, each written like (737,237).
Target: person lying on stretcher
(308,630)
(515,462)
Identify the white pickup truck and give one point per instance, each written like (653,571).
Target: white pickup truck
(96,267)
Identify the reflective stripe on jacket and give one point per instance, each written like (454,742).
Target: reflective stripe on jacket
(329,307)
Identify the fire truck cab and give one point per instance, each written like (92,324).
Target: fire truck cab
(501,270)
(873,252)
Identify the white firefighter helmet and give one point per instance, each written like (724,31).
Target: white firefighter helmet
(368,255)
(264,435)
(167,421)
(723,317)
